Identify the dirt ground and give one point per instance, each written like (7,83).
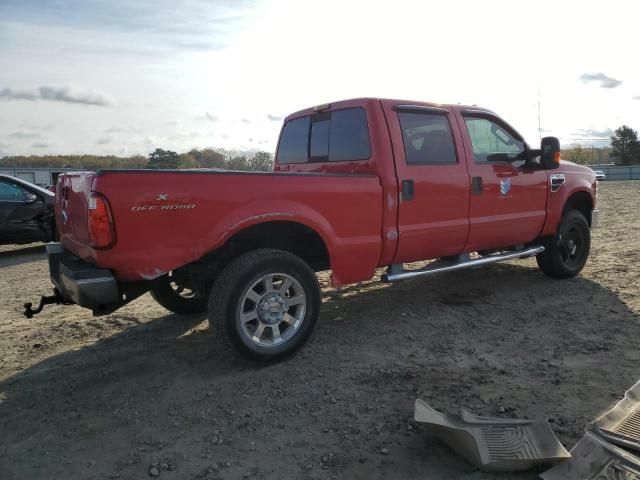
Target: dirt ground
(117,396)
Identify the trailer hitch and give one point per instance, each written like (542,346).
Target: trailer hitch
(56,298)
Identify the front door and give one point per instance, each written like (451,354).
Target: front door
(509,194)
(432,180)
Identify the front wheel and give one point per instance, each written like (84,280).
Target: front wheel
(265,304)
(566,254)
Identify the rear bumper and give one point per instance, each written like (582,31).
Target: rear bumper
(595,218)
(81,282)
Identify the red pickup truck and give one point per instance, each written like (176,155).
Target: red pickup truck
(357,185)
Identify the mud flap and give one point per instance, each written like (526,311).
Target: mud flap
(621,424)
(494,444)
(596,459)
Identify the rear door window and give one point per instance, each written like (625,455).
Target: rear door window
(427,138)
(336,136)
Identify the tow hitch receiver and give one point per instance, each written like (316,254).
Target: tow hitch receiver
(56,298)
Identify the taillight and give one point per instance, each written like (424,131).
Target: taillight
(100,222)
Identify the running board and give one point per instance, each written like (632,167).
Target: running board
(395,273)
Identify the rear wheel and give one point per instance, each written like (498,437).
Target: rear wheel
(566,254)
(177,295)
(265,304)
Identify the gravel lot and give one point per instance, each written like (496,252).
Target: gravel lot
(144,392)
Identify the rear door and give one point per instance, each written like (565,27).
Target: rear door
(508,194)
(432,180)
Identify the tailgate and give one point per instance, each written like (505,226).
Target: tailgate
(72,192)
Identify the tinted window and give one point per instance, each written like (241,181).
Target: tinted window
(319,146)
(294,141)
(491,142)
(337,136)
(349,138)
(427,138)
(12,193)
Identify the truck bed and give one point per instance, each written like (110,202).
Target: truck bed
(165,219)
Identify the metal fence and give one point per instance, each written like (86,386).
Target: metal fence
(619,172)
(39,175)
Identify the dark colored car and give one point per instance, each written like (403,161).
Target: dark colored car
(26,212)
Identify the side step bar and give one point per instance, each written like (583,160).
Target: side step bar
(396,272)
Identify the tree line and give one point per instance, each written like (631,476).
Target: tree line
(158,159)
(624,150)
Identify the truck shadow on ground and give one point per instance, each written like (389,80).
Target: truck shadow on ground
(10,258)
(503,340)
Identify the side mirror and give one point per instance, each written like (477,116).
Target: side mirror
(29,197)
(550,153)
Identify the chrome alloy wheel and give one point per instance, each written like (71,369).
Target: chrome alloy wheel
(272,309)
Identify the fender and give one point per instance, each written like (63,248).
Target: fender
(576,181)
(352,258)
(258,212)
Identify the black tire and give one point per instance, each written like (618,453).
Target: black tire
(566,254)
(165,293)
(238,287)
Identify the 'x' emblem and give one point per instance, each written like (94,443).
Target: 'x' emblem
(162,196)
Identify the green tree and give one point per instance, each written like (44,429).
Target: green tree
(625,146)
(577,154)
(137,161)
(238,162)
(160,159)
(261,162)
(186,160)
(208,158)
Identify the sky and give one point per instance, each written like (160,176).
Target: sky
(123,77)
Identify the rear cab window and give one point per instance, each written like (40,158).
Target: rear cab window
(293,141)
(334,136)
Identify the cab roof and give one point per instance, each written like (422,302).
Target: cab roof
(361,102)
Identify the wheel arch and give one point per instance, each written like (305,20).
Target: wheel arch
(290,236)
(580,201)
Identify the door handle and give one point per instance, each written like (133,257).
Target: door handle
(408,192)
(557,180)
(476,185)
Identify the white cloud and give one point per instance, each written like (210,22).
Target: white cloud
(604,80)
(104,140)
(604,133)
(21,135)
(260,60)
(64,93)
